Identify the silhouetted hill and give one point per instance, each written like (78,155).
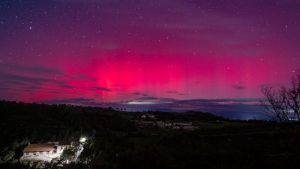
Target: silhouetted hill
(114,141)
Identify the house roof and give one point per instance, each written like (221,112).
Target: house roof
(38,148)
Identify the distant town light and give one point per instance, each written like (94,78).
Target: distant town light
(82,140)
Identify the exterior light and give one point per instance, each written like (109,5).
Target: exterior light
(82,140)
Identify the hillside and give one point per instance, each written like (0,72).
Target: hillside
(115,141)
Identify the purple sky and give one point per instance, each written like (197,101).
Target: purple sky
(144,52)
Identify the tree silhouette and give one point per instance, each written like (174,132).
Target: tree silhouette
(283,103)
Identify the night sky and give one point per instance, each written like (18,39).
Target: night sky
(172,55)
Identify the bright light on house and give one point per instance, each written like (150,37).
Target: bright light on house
(82,140)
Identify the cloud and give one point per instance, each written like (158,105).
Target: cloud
(64,84)
(139,94)
(148,98)
(149,101)
(29,69)
(175,92)
(13,74)
(103,89)
(13,81)
(239,87)
(75,101)
(172,92)
(21,79)
(230,108)
(83,77)
(18,79)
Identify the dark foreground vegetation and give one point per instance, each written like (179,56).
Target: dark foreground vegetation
(114,141)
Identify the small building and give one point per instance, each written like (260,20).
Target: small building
(160,124)
(43,152)
(148,116)
(163,124)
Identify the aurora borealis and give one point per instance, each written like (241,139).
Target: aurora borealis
(161,51)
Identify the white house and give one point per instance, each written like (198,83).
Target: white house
(43,152)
